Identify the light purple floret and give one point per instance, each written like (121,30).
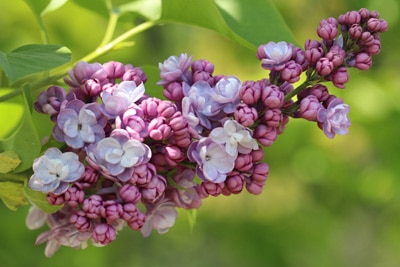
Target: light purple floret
(54,171)
(79,124)
(213,162)
(334,118)
(117,155)
(117,100)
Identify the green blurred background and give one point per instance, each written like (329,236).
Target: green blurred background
(326,203)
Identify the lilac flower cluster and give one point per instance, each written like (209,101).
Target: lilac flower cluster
(128,159)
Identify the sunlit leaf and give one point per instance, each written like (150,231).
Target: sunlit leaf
(41,7)
(24,141)
(150,9)
(39,199)
(34,58)
(12,194)
(97,6)
(236,19)
(37,6)
(258,22)
(9,160)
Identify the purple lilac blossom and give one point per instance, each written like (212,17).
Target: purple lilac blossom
(61,232)
(160,217)
(274,55)
(226,93)
(54,171)
(203,104)
(79,124)
(84,71)
(175,69)
(235,137)
(117,100)
(334,118)
(213,162)
(117,155)
(50,101)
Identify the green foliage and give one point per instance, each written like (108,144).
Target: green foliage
(34,58)
(39,200)
(248,25)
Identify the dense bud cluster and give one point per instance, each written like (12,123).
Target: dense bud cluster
(126,158)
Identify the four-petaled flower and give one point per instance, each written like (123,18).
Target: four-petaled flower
(274,55)
(334,118)
(54,171)
(79,124)
(117,100)
(213,162)
(160,217)
(236,137)
(118,154)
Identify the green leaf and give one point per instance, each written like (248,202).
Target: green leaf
(258,22)
(12,194)
(150,9)
(97,6)
(247,24)
(24,141)
(39,199)
(9,160)
(41,7)
(34,58)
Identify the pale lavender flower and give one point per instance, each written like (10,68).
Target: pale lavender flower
(160,217)
(213,162)
(204,104)
(274,55)
(197,105)
(185,194)
(226,93)
(54,171)
(61,233)
(235,137)
(79,124)
(117,100)
(334,118)
(118,154)
(175,69)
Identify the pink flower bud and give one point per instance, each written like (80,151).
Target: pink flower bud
(266,135)
(111,210)
(104,234)
(154,190)
(81,221)
(324,66)
(327,29)
(272,97)
(244,162)
(355,31)
(363,61)
(234,184)
(74,196)
(339,77)
(114,69)
(309,107)
(245,115)
(173,91)
(130,193)
(273,117)
(250,92)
